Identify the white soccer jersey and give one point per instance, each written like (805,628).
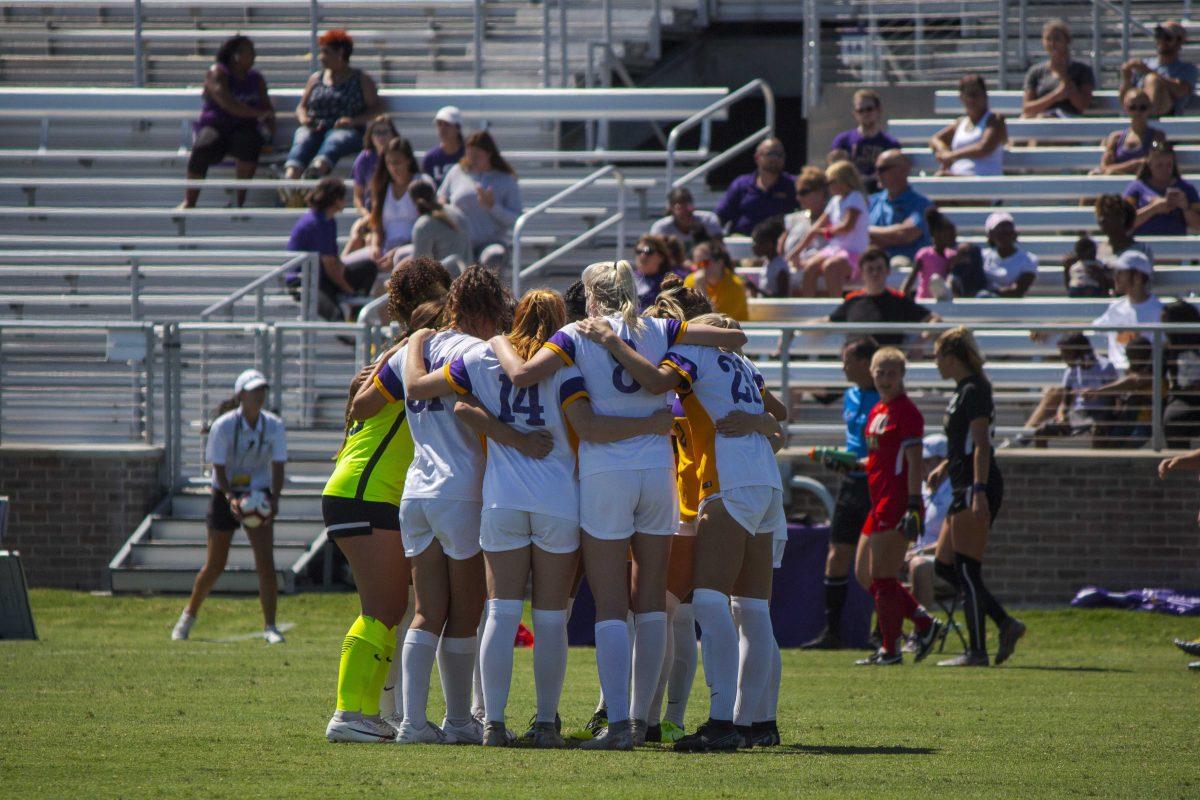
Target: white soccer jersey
(246,452)
(447,455)
(715,383)
(511,479)
(615,394)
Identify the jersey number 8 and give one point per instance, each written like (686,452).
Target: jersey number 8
(619,375)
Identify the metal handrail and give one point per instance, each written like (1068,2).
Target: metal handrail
(758,85)
(306,260)
(617,219)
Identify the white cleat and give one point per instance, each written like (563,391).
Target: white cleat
(272,635)
(469,732)
(350,726)
(183,627)
(394,721)
(425,734)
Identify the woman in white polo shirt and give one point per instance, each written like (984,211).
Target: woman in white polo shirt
(247,448)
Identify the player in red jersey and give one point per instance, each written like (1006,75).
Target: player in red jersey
(894,430)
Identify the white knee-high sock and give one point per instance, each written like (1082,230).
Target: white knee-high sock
(613,664)
(477,680)
(683,669)
(654,714)
(649,647)
(420,648)
(753,621)
(549,660)
(768,703)
(391,699)
(719,649)
(496,655)
(456,665)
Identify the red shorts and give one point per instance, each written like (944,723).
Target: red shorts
(886,515)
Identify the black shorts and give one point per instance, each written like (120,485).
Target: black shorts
(220,515)
(850,510)
(345,516)
(213,144)
(961,500)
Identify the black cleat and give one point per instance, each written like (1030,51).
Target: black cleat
(747,734)
(880,659)
(711,737)
(923,642)
(765,734)
(597,723)
(1192,648)
(1013,630)
(966,660)
(654,733)
(826,640)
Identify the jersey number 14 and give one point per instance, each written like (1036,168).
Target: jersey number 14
(527,402)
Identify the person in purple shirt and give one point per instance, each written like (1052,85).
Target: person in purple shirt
(316,232)
(863,144)
(450,147)
(755,196)
(236,114)
(1167,204)
(379,133)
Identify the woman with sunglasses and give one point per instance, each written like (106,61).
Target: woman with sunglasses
(714,276)
(1167,205)
(653,262)
(1125,151)
(863,143)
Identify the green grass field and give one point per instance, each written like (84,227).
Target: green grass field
(1094,704)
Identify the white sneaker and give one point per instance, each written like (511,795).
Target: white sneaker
(385,730)
(351,726)
(426,734)
(272,635)
(394,721)
(183,627)
(469,732)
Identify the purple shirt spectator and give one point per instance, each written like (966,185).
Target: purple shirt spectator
(437,162)
(313,233)
(864,150)
(746,205)
(248,90)
(1170,224)
(363,169)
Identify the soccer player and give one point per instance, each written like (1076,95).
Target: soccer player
(894,431)
(978,490)
(247,448)
(627,491)
(741,496)
(1191,462)
(526,528)
(361,508)
(853,497)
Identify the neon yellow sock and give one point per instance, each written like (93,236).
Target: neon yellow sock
(374,687)
(361,651)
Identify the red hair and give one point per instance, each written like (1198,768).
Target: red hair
(338,39)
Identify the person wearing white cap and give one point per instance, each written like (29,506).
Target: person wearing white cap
(1168,80)
(247,448)
(1132,274)
(937,496)
(450,147)
(1010,270)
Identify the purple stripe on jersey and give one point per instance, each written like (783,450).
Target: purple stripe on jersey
(677,408)
(564,345)
(759,382)
(569,388)
(391,384)
(685,366)
(457,373)
(674,328)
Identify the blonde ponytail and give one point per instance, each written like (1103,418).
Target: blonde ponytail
(611,289)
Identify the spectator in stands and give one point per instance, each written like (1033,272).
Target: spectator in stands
(1116,215)
(812,192)
(1132,276)
(845,226)
(726,291)
(875,302)
(484,188)
(652,263)
(379,133)
(1067,409)
(1059,86)
(1131,396)
(237,117)
(384,236)
(1167,79)
(679,256)
(757,195)
(974,143)
(777,276)
(930,272)
(337,103)
(863,143)
(897,213)
(684,222)
(1125,151)
(440,231)
(1167,204)
(1010,270)
(1084,275)
(316,232)
(450,148)
(1181,416)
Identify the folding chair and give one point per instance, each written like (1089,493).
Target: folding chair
(947,599)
